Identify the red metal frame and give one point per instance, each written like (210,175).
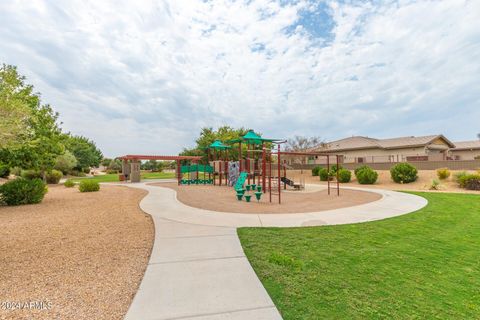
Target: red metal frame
(160,157)
(295,153)
(177,159)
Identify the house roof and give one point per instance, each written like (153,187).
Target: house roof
(360,142)
(412,141)
(352,143)
(466,145)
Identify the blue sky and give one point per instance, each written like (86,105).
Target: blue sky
(145,76)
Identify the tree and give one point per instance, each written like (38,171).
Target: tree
(33,140)
(106,162)
(209,135)
(115,164)
(300,143)
(65,162)
(84,150)
(152,165)
(16,99)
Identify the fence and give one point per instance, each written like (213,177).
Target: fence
(420,165)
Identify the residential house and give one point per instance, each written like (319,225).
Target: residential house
(359,149)
(465,150)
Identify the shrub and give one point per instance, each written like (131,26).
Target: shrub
(344,175)
(86,170)
(366,175)
(469,181)
(472,182)
(31,174)
(435,185)
(69,183)
(77,173)
(333,169)
(403,173)
(22,191)
(324,174)
(54,176)
(111,171)
(89,186)
(17,171)
(315,171)
(4,171)
(360,168)
(443,173)
(459,177)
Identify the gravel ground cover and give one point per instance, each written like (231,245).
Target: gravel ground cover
(384,181)
(75,255)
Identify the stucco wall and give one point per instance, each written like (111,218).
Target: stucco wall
(465,154)
(368,155)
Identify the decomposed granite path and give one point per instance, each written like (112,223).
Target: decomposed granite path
(197,269)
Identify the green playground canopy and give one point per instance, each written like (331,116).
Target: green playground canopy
(218,145)
(196,168)
(252,138)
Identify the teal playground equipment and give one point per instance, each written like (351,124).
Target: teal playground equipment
(241,181)
(251,164)
(194,171)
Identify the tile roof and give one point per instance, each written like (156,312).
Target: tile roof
(360,142)
(466,145)
(406,141)
(356,142)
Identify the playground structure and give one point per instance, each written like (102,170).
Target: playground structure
(218,159)
(194,174)
(258,167)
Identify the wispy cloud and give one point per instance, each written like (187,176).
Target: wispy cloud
(145,77)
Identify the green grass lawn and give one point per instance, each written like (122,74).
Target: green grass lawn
(114,177)
(424,265)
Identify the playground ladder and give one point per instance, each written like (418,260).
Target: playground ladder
(274,188)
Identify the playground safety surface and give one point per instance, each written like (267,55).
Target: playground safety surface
(223,199)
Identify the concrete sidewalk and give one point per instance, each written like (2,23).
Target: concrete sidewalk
(198,270)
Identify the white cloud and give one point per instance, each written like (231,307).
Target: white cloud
(143,77)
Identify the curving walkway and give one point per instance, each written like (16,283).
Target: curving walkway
(197,269)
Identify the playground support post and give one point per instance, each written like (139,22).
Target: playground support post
(328,173)
(338,185)
(264,167)
(278,169)
(270,180)
(240,157)
(247,163)
(179,172)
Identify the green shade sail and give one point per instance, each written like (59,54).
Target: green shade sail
(252,138)
(218,145)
